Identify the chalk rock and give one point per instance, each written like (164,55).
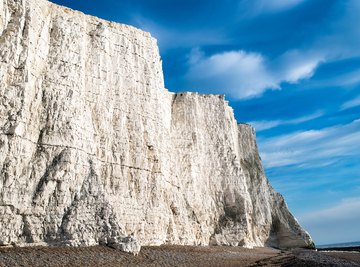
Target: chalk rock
(93,147)
(126,244)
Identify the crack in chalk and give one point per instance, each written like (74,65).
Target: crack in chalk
(86,152)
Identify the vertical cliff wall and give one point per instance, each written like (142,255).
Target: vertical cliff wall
(93,148)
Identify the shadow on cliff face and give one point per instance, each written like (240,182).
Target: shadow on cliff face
(231,228)
(283,237)
(273,240)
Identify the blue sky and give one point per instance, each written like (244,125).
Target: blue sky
(289,67)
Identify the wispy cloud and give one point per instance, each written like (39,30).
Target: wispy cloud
(277,5)
(344,41)
(243,74)
(352,103)
(343,80)
(341,221)
(265,125)
(257,7)
(342,38)
(177,37)
(347,209)
(312,147)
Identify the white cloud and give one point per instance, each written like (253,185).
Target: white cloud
(352,103)
(313,147)
(301,71)
(244,74)
(295,65)
(265,125)
(237,73)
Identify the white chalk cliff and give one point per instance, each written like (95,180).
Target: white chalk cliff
(94,149)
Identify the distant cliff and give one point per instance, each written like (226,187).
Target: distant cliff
(93,148)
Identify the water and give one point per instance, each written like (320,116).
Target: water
(340,245)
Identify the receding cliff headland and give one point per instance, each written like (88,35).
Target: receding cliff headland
(95,151)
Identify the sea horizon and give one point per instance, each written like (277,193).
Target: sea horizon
(340,245)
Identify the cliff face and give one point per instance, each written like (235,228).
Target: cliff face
(93,148)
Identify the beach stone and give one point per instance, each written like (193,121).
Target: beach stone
(94,148)
(127,244)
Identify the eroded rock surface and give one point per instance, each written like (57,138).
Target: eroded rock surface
(93,148)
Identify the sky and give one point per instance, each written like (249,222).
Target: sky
(291,68)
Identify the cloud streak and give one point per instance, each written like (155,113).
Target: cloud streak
(265,125)
(312,147)
(343,41)
(341,221)
(258,7)
(351,104)
(177,37)
(346,209)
